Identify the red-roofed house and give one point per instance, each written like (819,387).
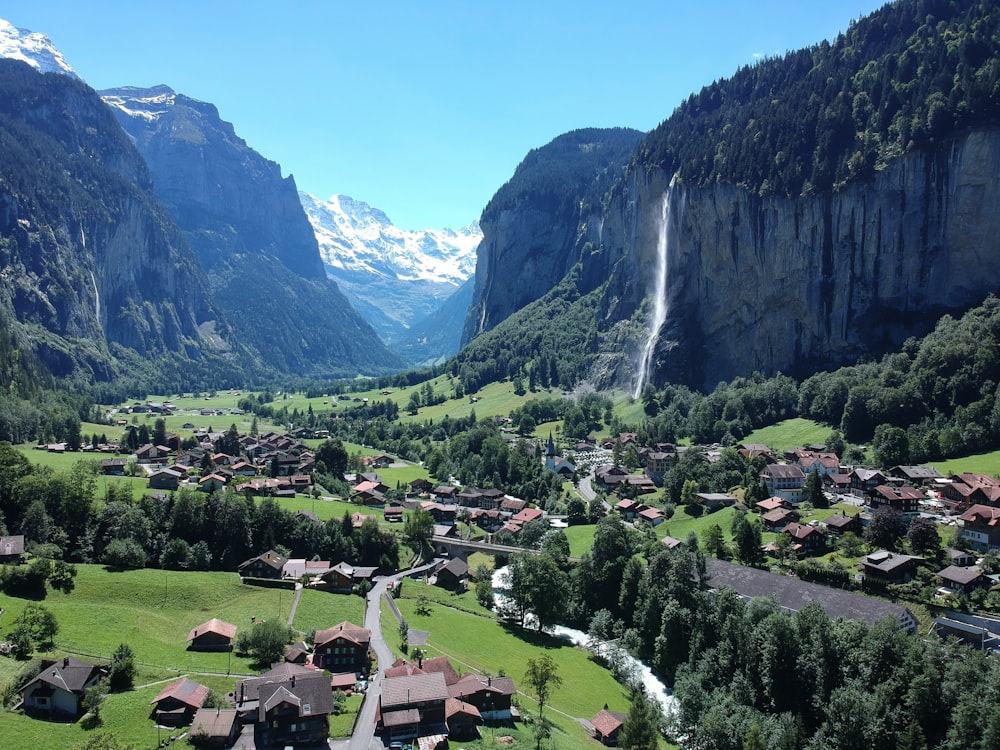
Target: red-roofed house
(607,725)
(177,703)
(981,527)
(214,635)
(342,648)
(462,719)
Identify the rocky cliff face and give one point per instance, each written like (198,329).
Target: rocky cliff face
(89,256)
(777,284)
(533,226)
(252,236)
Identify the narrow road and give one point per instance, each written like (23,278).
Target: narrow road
(364,727)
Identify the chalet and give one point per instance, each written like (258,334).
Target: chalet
(891,567)
(784,481)
(420,485)
(342,648)
(443,514)
(164,479)
(752,450)
(113,466)
(268,565)
(713,501)
(671,542)
(863,481)
(297,653)
(445,492)
(176,704)
(904,499)
(628,508)
(214,635)
(967,489)
(805,538)
(959,557)
(609,477)
(380,461)
(297,568)
(491,695)
(342,577)
(488,520)
(636,484)
(917,475)
(470,497)
(772,503)
(981,527)
(214,482)
(449,530)
(527,515)
(512,505)
(606,726)
(792,594)
(461,719)
(490,498)
(290,711)
(151,454)
(394,514)
(214,728)
(452,574)
(11,549)
(57,690)
(412,705)
(838,482)
(964,580)
(652,516)
(776,520)
(838,524)
(369,493)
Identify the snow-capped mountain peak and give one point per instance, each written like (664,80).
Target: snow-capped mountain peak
(33,48)
(355,237)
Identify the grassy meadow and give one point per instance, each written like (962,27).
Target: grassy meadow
(478,642)
(152,611)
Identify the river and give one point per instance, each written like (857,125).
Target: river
(607,649)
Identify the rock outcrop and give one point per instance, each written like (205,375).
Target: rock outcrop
(777,284)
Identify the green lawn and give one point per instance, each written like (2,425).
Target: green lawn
(153,611)
(581,538)
(319,610)
(791,433)
(462,637)
(982,463)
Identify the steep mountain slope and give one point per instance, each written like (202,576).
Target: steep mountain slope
(249,230)
(91,261)
(35,49)
(810,210)
(393,277)
(532,226)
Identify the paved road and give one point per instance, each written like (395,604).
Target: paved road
(364,728)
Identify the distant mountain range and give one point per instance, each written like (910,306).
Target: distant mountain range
(394,277)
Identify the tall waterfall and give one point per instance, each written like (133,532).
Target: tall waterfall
(659,295)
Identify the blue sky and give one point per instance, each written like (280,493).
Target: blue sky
(424,108)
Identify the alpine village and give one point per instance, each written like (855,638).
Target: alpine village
(706,457)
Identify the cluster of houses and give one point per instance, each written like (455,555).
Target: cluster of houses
(271,464)
(490,509)
(429,699)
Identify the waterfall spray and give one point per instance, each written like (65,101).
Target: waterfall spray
(659,296)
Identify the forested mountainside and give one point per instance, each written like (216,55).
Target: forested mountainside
(532,226)
(252,235)
(811,209)
(92,263)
